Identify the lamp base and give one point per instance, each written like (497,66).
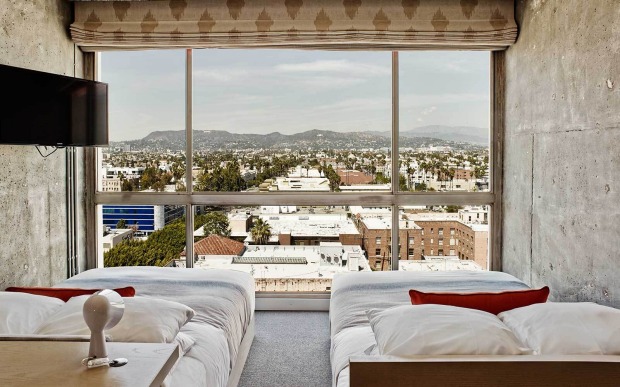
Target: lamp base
(94,362)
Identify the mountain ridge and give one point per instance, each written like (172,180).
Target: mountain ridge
(310,139)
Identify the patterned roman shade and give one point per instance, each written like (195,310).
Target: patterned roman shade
(315,24)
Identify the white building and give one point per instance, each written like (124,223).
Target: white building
(296,184)
(114,237)
(292,268)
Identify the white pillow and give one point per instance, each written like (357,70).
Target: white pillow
(552,328)
(412,330)
(146,320)
(22,313)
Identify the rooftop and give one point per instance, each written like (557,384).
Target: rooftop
(331,225)
(217,245)
(269,261)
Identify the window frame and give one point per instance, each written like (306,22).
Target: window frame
(392,199)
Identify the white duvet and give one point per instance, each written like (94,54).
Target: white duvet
(354,293)
(222,299)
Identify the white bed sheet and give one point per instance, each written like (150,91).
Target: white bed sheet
(354,293)
(224,304)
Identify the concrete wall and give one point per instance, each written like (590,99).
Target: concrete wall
(34,35)
(562,152)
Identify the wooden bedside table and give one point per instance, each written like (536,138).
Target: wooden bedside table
(55,363)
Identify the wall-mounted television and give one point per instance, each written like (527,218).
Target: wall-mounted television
(40,108)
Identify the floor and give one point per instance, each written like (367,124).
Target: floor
(290,349)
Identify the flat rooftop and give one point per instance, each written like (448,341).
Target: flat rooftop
(330,225)
(269,261)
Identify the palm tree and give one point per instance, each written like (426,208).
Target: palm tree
(261,231)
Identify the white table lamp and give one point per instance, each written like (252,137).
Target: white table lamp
(103,310)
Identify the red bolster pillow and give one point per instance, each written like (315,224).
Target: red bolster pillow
(489,302)
(66,293)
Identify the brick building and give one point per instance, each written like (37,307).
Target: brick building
(421,235)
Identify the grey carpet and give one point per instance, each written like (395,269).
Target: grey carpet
(290,349)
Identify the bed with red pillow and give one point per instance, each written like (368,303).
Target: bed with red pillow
(458,328)
(215,339)
(355,293)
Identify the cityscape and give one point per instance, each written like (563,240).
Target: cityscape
(298,248)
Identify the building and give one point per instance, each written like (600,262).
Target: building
(145,218)
(284,268)
(296,184)
(310,229)
(354,177)
(216,245)
(421,235)
(114,237)
(111,184)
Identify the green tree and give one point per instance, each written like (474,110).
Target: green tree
(216,223)
(127,185)
(122,223)
(381,179)
(149,177)
(159,249)
(453,208)
(261,231)
(402,183)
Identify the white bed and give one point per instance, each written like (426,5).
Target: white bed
(354,293)
(223,326)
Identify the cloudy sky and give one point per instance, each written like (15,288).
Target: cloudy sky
(289,91)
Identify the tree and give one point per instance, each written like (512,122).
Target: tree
(380,179)
(420,187)
(333,177)
(216,222)
(261,231)
(122,223)
(149,177)
(127,185)
(402,183)
(159,249)
(452,208)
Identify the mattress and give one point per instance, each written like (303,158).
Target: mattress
(354,293)
(222,299)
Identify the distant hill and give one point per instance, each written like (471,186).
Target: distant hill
(470,134)
(312,139)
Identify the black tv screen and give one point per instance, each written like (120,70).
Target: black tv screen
(39,108)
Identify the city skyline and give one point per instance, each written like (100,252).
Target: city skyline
(293,91)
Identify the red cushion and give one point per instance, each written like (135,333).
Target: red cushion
(66,293)
(489,302)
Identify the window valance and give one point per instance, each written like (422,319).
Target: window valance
(316,24)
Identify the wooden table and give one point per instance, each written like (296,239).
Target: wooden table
(53,363)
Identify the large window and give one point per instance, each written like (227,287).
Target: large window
(298,164)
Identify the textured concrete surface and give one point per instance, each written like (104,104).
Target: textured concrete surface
(517,201)
(34,34)
(562,153)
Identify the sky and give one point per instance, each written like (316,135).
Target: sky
(291,91)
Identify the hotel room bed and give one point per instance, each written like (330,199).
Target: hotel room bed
(223,326)
(354,293)
(539,344)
